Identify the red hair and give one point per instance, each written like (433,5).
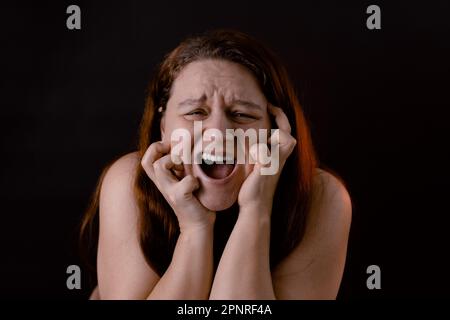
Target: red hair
(158,224)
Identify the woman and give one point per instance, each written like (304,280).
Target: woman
(169,229)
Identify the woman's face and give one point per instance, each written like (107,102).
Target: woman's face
(222,95)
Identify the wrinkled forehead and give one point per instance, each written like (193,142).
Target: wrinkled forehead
(208,78)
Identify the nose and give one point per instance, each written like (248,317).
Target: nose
(220,122)
(218,119)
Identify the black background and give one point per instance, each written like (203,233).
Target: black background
(377,100)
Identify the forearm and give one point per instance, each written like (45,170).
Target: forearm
(189,275)
(244,268)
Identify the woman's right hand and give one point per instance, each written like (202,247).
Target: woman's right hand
(158,165)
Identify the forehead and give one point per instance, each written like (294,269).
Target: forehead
(208,77)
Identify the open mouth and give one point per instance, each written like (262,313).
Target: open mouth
(217,167)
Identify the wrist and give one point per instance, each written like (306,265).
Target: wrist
(198,227)
(255,214)
(256,208)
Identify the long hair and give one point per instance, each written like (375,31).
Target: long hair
(158,225)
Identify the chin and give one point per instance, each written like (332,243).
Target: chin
(214,202)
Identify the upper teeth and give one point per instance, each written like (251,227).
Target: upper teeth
(209,158)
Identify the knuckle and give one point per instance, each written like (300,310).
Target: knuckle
(293,141)
(154,145)
(147,169)
(185,183)
(292,144)
(151,149)
(144,164)
(189,179)
(157,165)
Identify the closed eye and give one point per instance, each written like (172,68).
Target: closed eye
(240,115)
(196,113)
(244,116)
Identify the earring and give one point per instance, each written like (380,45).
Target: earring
(160,109)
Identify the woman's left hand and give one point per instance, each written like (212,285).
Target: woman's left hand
(257,191)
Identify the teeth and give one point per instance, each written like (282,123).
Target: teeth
(209,158)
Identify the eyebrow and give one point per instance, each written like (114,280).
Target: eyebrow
(202,99)
(246,104)
(192,102)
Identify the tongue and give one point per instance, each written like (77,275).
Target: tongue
(218,171)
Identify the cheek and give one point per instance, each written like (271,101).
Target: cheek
(180,137)
(166,134)
(175,127)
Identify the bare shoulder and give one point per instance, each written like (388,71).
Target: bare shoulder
(330,197)
(123,168)
(314,268)
(329,219)
(117,190)
(122,270)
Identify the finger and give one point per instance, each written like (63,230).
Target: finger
(162,168)
(261,155)
(187,186)
(178,162)
(284,141)
(281,119)
(155,151)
